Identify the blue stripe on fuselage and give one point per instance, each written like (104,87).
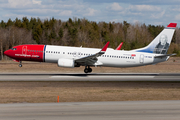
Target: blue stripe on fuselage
(44,53)
(145,50)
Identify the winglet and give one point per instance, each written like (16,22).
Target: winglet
(119,47)
(105,47)
(172,25)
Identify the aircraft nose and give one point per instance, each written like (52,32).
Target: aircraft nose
(6,53)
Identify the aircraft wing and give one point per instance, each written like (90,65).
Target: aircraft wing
(164,55)
(92,59)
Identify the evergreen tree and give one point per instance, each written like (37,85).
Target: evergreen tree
(25,22)
(17,23)
(60,33)
(3,24)
(37,33)
(9,23)
(111,27)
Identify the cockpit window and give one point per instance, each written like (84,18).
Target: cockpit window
(13,48)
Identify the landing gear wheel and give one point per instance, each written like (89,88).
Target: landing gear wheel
(20,65)
(86,70)
(89,70)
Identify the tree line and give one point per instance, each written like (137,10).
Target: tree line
(80,32)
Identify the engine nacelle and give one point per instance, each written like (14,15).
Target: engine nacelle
(66,63)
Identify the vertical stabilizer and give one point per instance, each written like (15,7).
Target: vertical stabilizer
(162,42)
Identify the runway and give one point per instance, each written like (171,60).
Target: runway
(91,77)
(132,110)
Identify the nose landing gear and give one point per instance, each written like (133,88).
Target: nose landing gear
(20,64)
(88,70)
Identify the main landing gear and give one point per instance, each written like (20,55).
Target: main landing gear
(87,69)
(20,64)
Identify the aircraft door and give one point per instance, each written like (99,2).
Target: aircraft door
(24,50)
(141,58)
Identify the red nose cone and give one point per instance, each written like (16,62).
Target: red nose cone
(6,53)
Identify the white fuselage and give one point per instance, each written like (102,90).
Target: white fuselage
(111,58)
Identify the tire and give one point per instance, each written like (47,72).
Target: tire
(89,70)
(20,65)
(86,70)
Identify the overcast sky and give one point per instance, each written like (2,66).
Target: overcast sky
(155,12)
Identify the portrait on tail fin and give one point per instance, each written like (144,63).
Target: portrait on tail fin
(162,46)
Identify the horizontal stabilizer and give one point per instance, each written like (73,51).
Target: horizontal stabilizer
(164,55)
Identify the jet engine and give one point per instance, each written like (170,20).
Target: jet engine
(66,63)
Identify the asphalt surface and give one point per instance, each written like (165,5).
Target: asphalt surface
(91,77)
(132,110)
(128,110)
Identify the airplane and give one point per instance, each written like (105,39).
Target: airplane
(72,57)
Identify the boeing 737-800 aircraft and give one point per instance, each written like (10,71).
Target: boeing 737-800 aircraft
(72,57)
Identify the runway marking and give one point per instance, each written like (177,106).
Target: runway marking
(102,77)
(92,77)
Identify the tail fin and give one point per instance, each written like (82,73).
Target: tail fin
(162,42)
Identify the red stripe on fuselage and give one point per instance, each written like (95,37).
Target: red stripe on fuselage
(27,53)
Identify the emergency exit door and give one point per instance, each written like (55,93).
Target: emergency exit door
(141,58)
